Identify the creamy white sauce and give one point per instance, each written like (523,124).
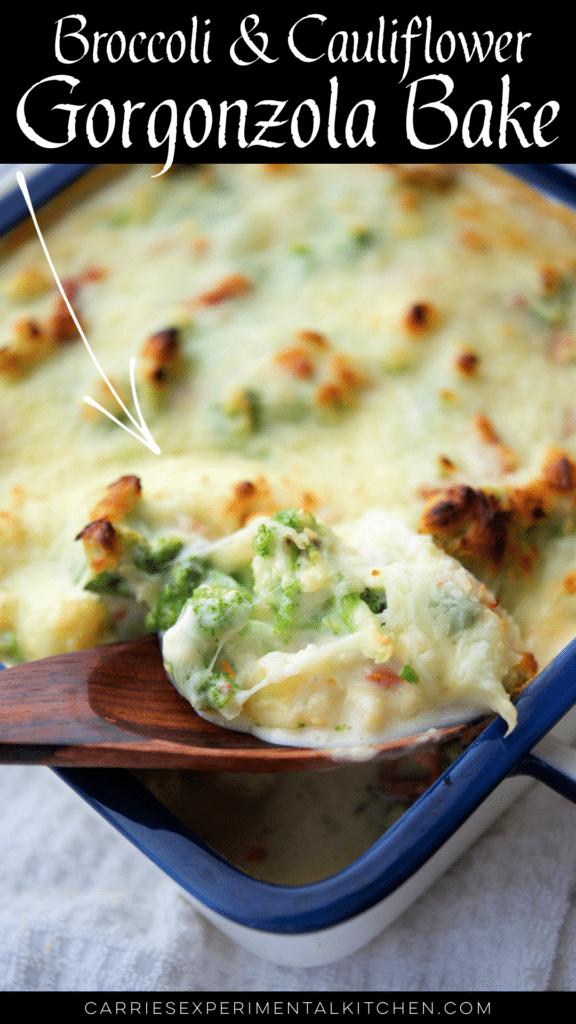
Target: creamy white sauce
(288,828)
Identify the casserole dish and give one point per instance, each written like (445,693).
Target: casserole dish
(321,922)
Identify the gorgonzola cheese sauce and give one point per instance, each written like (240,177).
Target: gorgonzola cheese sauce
(294,828)
(361,379)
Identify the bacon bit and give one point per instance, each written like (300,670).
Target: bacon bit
(101,544)
(314,338)
(559,472)
(429,759)
(569,583)
(296,362)
(120,498)
(519,301)
(466,362)
(229,288)
(528,665)
(256,854)
(474,240)
(488,435)
(421,318)
(383,676)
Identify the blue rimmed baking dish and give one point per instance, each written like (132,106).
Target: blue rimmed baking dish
(314,924)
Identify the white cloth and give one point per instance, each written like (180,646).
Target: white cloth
(81,909)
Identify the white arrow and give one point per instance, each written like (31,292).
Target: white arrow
(143,434)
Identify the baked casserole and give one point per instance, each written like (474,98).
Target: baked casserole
(361,380)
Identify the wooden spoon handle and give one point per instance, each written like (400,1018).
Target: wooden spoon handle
(114,706)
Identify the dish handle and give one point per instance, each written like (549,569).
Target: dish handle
(553,762)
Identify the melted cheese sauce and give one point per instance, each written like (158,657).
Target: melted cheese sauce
(290,828)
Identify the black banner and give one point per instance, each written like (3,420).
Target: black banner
(296,1006)
(301,83)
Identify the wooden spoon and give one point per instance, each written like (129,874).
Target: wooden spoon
(114,706)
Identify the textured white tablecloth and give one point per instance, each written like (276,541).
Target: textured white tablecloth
(81,909)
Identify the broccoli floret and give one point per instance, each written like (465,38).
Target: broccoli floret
(267,536)
(347,606)
(184,577)
(285,606)
(363,236)
(216,691)
(241,416)
(153,560)
(297,520)
(375,599)
(219,604)
(109,583)
(264,541)
(9,645)
(458,611)
(211,690)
